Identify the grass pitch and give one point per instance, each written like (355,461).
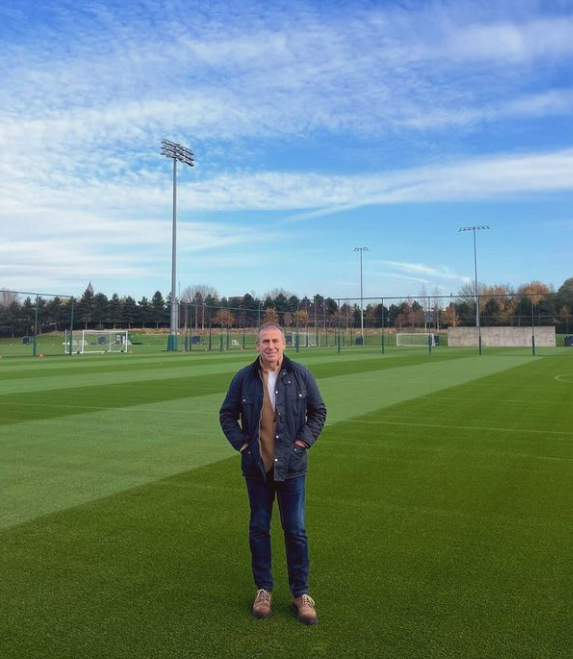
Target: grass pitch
(439,510)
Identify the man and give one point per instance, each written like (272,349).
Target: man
(273,413)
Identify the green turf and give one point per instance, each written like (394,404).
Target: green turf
(439,510)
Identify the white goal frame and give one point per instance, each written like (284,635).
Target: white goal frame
(305,339)
(98,341)
(424,339)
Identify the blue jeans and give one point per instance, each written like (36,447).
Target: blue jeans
(291,497)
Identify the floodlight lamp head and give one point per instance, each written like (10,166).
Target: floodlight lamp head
(178,152)
(475,228)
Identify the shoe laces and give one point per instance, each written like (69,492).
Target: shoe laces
(262,596)
(306,600)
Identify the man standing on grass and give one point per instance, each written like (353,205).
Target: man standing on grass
(273,413)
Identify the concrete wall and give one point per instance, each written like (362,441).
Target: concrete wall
(497,337)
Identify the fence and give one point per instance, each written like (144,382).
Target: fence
(35,323)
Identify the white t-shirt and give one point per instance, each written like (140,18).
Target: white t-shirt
(272,382)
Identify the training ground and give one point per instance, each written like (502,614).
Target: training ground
(440,509)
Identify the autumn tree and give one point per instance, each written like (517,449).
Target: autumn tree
(270,316)
(301,318)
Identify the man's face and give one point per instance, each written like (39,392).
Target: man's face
(271,345)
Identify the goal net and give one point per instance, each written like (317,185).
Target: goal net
(98,341)
(415,340)
(305,339)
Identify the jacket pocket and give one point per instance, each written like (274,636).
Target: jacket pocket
(249,464)
(297,393)
(298,461)
(297,401)
(248,424)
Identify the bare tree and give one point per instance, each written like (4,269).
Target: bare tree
(425,302)
(7,297)
(436,305)
(467,292)
(197,294)
(198,291)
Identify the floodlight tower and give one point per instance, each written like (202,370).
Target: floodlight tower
(361,249)
(176,152)
(478,323)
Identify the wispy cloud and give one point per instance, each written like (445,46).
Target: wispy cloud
(87,92)
(443,272)
(468,179)
(262,73)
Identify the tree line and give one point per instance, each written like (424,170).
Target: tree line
(200,307)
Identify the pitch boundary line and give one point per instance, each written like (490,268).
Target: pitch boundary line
(134,408)
(486,428)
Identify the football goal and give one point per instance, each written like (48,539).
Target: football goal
(415,340)
(305,339)
(98,341)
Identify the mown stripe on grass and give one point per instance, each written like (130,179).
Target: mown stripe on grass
(135,388)
(53,463)
(371,391)
(41,375)
(434,555)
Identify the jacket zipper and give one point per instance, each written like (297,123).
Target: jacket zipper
(261,415)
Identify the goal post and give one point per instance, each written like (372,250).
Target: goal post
(415,340)
(98,341)
(302,339)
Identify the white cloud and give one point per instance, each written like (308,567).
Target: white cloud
(112,89)
(442,272)
(95,218)
(86,96)
(468,179)
(504,41)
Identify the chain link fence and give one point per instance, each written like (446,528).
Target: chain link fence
(34,324)
(42,324)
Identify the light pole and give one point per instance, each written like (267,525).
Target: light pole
(478,323)
(361,249)
(176,152)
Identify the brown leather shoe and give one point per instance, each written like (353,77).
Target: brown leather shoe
(262,604)
(305,610)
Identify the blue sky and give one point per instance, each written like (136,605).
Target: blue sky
(316,126)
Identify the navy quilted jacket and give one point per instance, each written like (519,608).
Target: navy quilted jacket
(300,414)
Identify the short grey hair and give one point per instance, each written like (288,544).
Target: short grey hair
(268,326)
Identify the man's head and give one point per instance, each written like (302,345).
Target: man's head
(271,344)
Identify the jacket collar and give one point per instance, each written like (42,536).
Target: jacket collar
(287,365)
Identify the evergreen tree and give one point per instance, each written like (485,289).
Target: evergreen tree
(130,311)
(145,311)
(27,317)
(115,310)
(159,310)
(85,307)
(100,309)
(251,309)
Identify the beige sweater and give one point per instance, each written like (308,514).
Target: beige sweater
(268,426)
